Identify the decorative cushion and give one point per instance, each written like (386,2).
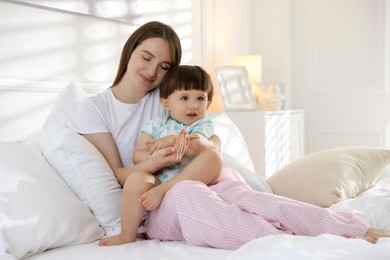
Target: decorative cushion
(329,176)
(37,209)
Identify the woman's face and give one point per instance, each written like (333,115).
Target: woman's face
(148,63)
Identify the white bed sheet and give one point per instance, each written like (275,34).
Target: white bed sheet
(320,247)
(373,205)
(271,247)
(143,249)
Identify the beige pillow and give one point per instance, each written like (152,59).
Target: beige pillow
(329,176)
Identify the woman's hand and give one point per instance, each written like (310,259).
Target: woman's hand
(161,143)
(172,154)
(200,143)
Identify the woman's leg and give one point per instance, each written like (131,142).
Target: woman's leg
(301,218)
(132,209)
(298,217)
(194,213)
(229,214)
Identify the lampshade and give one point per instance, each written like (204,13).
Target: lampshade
(252,64)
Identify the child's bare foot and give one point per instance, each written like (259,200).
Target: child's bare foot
(152,198)
(116,240)
(373,234)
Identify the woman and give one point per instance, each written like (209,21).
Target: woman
(112,120)
(225,215)
(186,92)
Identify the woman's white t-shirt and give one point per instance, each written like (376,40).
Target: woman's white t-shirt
(104,113)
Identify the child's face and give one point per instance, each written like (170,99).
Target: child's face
(186,106)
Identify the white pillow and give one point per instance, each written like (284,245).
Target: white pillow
(232,141)
(255,181)
(37,209)
(235,151)
(79,163)
(65,108)
(330,176)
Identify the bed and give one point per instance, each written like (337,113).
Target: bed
(58,196)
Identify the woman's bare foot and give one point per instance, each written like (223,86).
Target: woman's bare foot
(116,240)
(152,198)
(373,234)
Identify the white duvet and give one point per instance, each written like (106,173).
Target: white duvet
(375,202)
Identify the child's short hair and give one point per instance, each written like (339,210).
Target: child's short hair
(186,77)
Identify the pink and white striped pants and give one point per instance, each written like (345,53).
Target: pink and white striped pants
(230,213)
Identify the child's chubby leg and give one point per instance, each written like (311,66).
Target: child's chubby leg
(206,168)
(131,208)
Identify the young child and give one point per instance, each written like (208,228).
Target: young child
(186,93)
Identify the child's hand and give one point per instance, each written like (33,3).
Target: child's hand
(173,154)
(167,141)
(180,145)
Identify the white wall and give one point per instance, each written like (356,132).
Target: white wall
(270,30)
(333,56)
(225,33)
(253,27)
(42,50)
(340,53)
(271,38)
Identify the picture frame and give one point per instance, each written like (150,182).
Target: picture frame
(236,91)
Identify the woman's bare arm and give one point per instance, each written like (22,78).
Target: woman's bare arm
(163,142)
(142,149)
(105,143)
